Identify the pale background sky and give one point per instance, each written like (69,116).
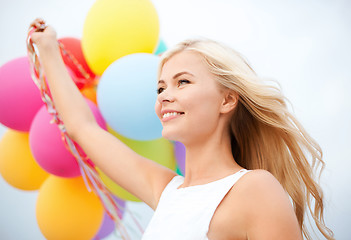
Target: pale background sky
(305,45)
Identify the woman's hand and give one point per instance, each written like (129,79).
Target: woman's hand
(44,36)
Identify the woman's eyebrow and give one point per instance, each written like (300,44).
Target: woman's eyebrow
(181,73)
(176,75)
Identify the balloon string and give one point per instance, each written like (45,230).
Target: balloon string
(89,173)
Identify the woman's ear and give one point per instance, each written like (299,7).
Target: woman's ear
(230,101)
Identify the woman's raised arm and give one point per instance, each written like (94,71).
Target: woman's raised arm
(140,176)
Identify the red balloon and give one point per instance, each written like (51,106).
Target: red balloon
(73,46)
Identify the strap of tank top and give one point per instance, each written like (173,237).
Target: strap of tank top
(230,182)
(173,184)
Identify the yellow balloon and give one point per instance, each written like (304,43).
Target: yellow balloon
(115,28)
(66,210)
(17,164)
(159,150)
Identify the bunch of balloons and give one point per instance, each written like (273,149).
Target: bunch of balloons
(120,50)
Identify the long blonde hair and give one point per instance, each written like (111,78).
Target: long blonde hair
(264,134)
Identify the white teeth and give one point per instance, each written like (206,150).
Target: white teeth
(170,114)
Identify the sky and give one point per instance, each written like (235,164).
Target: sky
(304,45)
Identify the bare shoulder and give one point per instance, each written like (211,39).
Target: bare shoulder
(261,192)
(268,211)
(260,182)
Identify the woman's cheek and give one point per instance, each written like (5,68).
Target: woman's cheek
(158,109)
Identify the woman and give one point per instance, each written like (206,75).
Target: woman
(211,100)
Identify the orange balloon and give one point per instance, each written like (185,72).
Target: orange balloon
(17,164)
(67,210)
(90,93)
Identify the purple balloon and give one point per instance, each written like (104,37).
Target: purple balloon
(121,206)
(19,97)
(108,225)
(179,150)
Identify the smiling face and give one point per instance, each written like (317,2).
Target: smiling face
(189,102)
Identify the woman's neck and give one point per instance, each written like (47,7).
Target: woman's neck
(208,160)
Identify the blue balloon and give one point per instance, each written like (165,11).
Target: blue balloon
(126,96)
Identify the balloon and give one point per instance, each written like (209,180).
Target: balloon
(17,164)
(178,171)
(179,151)
(159,150)
(121,206)
(161,48)
(126,96)
(116,189)
(73,46)
(90,93)
(65,209)
(115,28)
(47,145)
(19,97)
(108,225)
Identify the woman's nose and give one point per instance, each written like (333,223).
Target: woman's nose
(166,96)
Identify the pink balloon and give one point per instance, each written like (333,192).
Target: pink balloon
(19,97)
(48,148)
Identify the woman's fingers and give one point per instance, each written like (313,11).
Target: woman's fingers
(44,35)
(37,23)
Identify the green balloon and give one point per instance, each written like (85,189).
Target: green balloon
(161,47)
(159,150)
(178,171)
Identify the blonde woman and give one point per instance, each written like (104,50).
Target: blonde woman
(248,174)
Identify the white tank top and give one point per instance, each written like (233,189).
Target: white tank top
(186,213)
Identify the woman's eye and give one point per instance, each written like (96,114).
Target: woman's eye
(160,90)
(183,81)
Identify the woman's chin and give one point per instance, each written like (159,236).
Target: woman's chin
(170,135)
